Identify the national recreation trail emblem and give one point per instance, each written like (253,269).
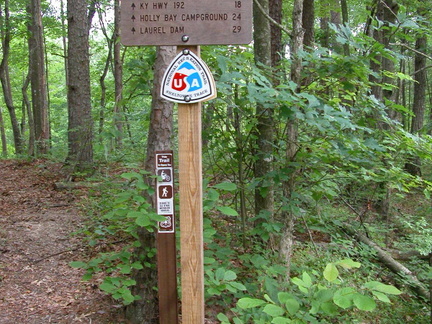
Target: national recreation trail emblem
(188,80)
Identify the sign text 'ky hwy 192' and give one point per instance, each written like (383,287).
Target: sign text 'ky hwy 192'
(188,22)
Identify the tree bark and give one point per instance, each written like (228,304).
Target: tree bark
(413,166)
(108,62)
(344,10)
(159,139)
(39,91)
(308,22)
(118,77)
(264,197)
(276,35)
(386,12)
(28,111)
(3,135)
(288,186)
(5,79)
(64,39)
(80,128)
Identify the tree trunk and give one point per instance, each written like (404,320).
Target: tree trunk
(3,135)
(384,11)
(80,128)
(5,80)
(288,186)
(39,93)
(388,11)
(276,36)
(118,78)
(64,39)
(419,103)
(344,10)
(264,198)
(297,41)
(159,139)
(28,111)
(108,62)
(308,22)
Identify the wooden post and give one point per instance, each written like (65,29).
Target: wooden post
(167,278)
(191,210)
(166,239)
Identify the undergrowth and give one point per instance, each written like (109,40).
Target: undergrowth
(334,279)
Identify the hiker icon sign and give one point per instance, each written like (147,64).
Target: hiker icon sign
(188,80)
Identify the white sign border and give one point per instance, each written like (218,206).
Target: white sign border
(187,99)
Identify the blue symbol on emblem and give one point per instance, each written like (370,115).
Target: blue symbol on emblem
(186,78)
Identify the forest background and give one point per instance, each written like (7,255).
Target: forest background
(316,153)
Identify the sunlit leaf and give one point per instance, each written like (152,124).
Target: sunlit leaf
(228,186)
(227,211)
(363,302)
(273,310)
(248,302)
(331,272)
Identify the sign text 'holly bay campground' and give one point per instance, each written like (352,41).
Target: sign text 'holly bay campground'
(189,22)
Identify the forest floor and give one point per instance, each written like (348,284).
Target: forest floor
(37,223)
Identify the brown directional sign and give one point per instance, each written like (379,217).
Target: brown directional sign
(188,22)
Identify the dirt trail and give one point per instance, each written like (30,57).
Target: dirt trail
(37,285)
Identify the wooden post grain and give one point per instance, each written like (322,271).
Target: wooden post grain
(191,211)
(167,278)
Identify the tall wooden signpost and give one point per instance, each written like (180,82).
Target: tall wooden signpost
(187,81)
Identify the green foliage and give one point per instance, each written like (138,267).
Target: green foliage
(126,210)
(213,199)
(130,209)
(117,266)
(222,281)
(315,301)
(349,156)
(419,234)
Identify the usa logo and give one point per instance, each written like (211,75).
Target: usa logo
(188,80)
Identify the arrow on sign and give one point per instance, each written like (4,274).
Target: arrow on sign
(133,18)
(133,30)
(133,6)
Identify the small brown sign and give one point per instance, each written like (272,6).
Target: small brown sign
(164,160)
(167,225)
(165,175)
(165,191)
(188,22)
